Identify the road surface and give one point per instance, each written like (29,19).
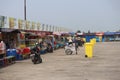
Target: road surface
(105,65)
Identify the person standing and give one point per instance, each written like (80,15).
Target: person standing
(2,47)
(76,44)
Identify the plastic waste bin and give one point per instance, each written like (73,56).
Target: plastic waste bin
(89,50)
(84,39)
(92,41)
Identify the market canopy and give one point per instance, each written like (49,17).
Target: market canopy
(79,33)
(99,33)
(9,30)
(109,33)
(56,33)
(72,33)
(117,33)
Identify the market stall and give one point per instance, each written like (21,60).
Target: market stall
(31,39)
(99,37)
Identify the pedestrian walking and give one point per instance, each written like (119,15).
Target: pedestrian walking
(76,44)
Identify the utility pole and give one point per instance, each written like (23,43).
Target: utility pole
(24,9)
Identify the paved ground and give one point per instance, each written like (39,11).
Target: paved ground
(104,65)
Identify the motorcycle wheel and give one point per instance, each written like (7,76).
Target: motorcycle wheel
(34,62)
(68,52)
(40,61)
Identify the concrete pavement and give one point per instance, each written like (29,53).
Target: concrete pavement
(104,65)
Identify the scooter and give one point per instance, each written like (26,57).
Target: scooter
(35,56)
(49,48)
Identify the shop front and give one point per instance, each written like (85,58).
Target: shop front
(10,37)
(109,36)
(99,37)
(10,40)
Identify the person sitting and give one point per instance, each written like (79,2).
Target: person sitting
(2,47)
(70,42)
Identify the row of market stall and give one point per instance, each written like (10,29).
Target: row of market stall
(19,42)
(101,36)
(19,36)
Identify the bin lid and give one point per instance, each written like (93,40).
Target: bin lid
(89,44)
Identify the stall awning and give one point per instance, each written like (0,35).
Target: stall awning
(79,33)
(99,34)
(56,33)
(118,33)
(72,33)
(109,33)
(9,30)
(31,34)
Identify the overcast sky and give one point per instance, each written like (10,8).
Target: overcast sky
(93,15)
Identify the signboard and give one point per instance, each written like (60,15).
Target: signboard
(53,29)
(2,21)
(20,24)
(43,27)
(38,26)
(24,24)
(33,26)
(27,27)
(12,23)
(46,27)
(50,28)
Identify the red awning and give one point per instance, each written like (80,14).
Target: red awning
(99,34)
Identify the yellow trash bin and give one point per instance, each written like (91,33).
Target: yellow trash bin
(89,50)
(84,39)
(93,41)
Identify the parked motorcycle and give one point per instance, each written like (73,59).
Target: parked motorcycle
(35,56)
(49,48)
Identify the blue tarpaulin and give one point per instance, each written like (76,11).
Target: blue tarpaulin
(72,33)
(117,33)
(109,33)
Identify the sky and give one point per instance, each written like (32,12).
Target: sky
(83,15)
